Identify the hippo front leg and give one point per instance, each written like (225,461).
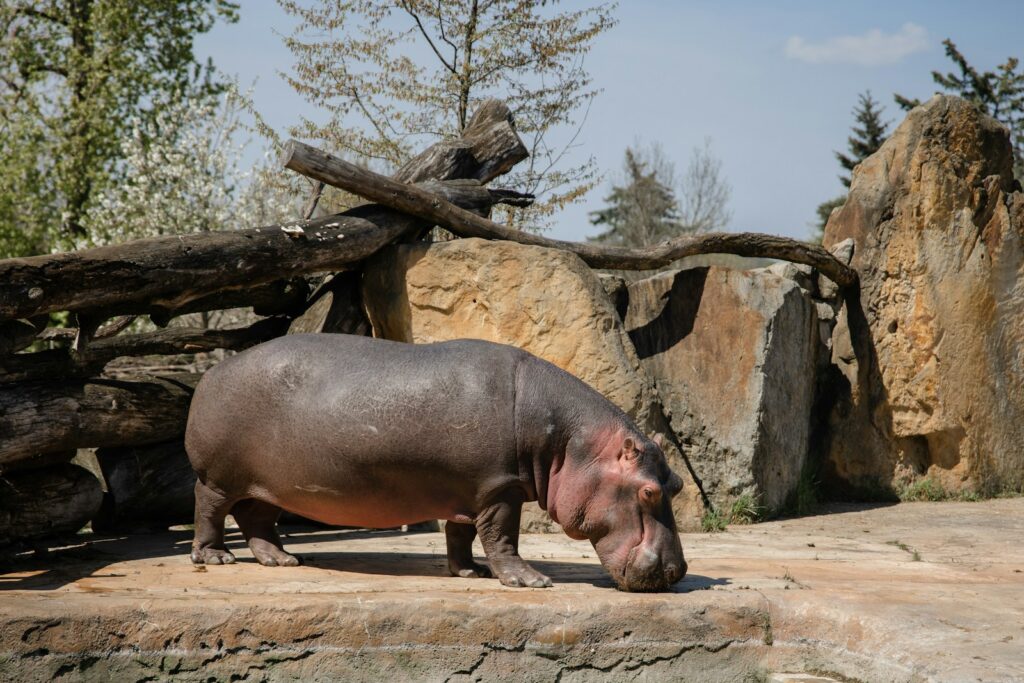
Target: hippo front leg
(498,527)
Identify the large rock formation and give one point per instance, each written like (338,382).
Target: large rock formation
(543,300)
(733,354)
(932,356)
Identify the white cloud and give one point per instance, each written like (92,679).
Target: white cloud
(873,48)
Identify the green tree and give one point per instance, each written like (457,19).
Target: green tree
(648,205)
(642,210)
(869,132)
(394,76)
(999,93)
(76,77)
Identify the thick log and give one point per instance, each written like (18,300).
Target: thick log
(45,502)
(488,148)
(148,487)
(45,417)
(418,201)
(180,340)
(169,272)
(281,297)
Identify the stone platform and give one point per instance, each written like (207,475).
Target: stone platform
(911,592)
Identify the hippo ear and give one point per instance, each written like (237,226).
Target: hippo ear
(628,448)
(659,440)
(674,485)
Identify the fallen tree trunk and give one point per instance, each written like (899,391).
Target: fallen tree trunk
(44,502)
(44,417)
(169,272)
(417,201)
(70,363)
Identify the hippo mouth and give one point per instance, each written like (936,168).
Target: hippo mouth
(644,569)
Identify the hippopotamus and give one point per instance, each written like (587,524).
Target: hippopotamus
(365,432)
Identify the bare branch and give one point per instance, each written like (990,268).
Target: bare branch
(423,30)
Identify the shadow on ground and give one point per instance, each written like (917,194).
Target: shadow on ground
(88,555)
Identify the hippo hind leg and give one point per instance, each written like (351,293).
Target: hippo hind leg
(459,538)
(258,521)
(211,509)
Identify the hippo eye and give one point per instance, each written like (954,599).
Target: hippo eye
(650,494)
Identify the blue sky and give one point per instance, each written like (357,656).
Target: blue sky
(772,85)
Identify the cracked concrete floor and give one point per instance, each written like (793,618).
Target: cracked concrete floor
(910,592)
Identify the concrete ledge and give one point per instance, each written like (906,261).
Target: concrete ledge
(838,595)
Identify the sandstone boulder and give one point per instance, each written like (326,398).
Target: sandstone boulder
(543,300)
(733,354)
(931,357)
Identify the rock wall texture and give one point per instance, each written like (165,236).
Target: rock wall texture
(931,358)
(733,355)
(543,300)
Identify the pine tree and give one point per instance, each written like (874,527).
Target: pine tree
(648,205)
(1000,94)
(396,75)
(642,210)
(869,132)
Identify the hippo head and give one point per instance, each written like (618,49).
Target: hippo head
(619,497)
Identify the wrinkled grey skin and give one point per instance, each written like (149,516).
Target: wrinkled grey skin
(363,432)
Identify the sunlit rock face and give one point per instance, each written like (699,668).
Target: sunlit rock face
(733,354)
(932,356)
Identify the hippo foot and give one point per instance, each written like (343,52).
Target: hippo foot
(472,571)
(212,556)
(277,559)
(524,577)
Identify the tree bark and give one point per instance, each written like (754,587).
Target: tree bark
(172,272)
(44,417)
(281,297)
(70,363)
(489,147)
(419,202)
(337,306)
(16,335)
(44,502)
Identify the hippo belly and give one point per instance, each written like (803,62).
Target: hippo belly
(356,431)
